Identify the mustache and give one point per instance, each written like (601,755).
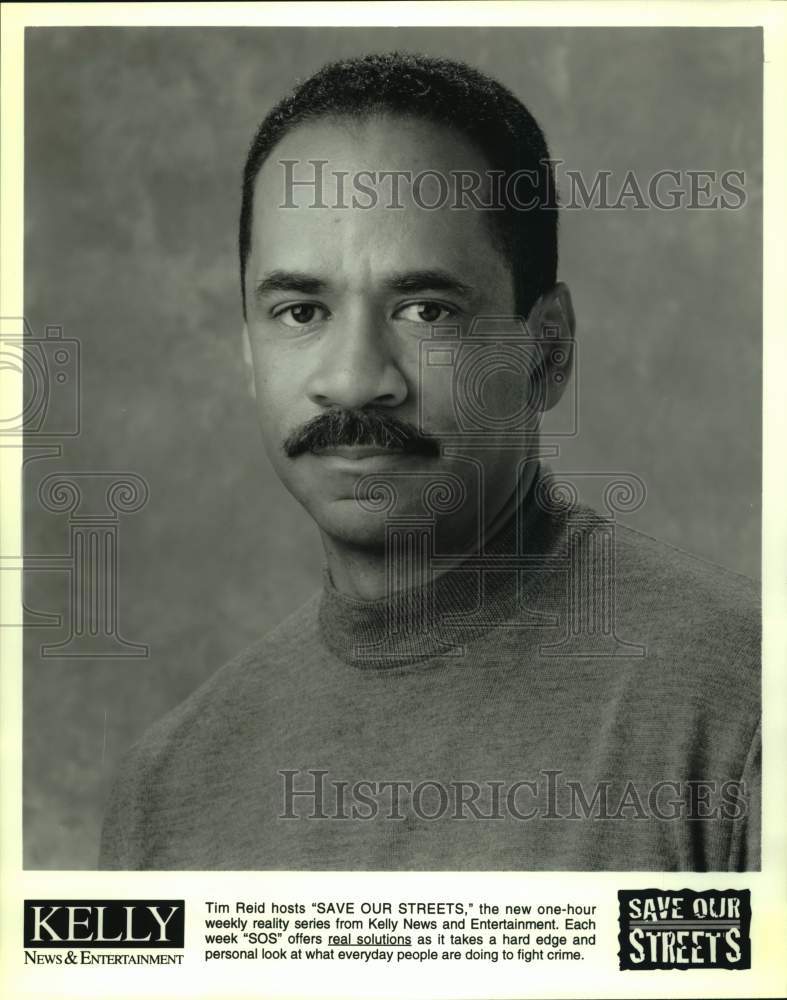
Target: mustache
(345,428)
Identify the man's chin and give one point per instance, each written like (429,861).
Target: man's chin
(348,523)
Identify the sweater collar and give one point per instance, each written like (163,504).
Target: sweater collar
(438,618)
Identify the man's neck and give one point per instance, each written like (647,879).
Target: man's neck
(364,572)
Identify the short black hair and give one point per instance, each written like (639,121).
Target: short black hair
(444,92)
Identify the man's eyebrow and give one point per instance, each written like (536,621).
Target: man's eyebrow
(429,280)
(289,281)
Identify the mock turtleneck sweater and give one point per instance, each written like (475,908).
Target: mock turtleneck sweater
(576,696)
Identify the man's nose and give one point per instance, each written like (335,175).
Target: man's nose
(357,367)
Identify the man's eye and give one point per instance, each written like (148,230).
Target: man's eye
(301,314)
(425,312)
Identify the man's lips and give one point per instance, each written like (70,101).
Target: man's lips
(358,452)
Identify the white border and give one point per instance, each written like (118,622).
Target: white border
(769,930)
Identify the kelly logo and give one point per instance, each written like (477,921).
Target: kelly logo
(115,923)
(666,929)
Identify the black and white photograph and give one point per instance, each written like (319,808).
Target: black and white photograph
(392,552)
(393,455)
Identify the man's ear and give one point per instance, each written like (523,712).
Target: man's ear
(248,360)
(552,323)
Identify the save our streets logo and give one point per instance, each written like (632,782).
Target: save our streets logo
(683,929)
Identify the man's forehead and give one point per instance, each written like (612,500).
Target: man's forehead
(327,195)
(375,165)
(382,142)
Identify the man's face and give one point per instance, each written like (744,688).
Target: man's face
(339,302)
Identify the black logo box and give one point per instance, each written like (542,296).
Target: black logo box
(650,942)
(82,923)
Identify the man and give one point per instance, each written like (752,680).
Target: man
(493,676)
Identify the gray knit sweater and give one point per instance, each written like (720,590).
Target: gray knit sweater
(592,705)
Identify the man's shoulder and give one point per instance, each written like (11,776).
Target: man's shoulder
(694,624)
(687,611)
(204,737)
(701,587)
(238,687)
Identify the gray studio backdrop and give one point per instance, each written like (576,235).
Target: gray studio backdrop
(135,140)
